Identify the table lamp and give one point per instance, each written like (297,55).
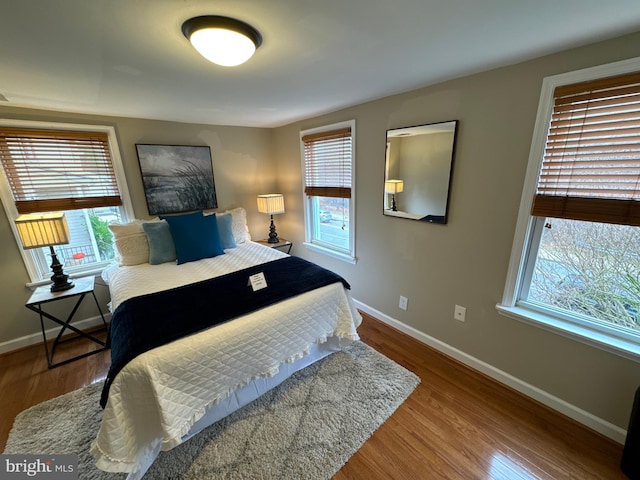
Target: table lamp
(46,230)
(393,187)
(272,203)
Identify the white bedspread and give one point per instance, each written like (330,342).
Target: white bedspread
(133,281)
(157,397)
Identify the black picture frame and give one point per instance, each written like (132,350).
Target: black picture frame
(177,178)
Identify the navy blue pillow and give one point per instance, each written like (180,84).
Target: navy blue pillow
(195,236)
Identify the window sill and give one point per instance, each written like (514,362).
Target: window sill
(602,340)
(345,257)
(87,273)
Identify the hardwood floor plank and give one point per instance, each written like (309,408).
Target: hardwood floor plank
(457,424)
(461,410)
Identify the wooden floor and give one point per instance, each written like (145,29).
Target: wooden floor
(458,424)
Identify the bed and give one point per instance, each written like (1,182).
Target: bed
(163,397)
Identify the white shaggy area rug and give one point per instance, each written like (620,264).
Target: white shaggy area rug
(306,428)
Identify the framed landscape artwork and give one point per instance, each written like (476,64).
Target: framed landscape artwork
(177,178)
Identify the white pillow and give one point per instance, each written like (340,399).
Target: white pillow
(131,243)
(239,225)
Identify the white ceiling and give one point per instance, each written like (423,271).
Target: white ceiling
(129,57)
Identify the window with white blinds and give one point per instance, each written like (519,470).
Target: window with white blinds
(52,170)
(328,181)
(591,165)
(70,168)
(574,265)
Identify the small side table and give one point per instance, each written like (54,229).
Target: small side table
(43,295)
(282,244)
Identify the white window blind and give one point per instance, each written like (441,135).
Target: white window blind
(591,165)
(327,159)
(51,170)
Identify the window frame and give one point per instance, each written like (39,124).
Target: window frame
(310,222)
(30,257)
(528,229)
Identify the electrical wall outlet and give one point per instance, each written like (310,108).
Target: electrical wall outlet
(460,313)
(404,301)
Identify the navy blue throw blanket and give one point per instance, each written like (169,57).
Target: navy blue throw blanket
(149,321)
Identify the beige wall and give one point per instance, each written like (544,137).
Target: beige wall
(465,261)
(242,165)
(435,266)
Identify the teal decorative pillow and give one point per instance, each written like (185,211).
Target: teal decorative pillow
(225,230)
(195,236)
(161,246)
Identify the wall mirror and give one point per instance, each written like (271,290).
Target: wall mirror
(418,167)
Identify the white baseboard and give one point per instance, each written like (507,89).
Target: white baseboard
(608,429)
(36,338)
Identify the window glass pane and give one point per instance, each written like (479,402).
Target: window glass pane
(331,221)
(591,269)
(91,241)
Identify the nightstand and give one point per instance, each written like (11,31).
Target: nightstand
(43,295)
(282,244)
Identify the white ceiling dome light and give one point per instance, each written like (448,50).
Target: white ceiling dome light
(222,40)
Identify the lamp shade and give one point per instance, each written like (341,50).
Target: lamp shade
(393,186)
(222,40)
(42,229)
(271,203)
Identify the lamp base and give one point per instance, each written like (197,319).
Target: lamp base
(273,236)
(62,286)
(59,278)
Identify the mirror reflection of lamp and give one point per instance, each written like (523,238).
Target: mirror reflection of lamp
(393,187)
(46,230)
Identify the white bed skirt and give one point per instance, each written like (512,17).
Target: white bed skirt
(242,397)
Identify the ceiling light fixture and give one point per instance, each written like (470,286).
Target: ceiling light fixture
(222,40)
